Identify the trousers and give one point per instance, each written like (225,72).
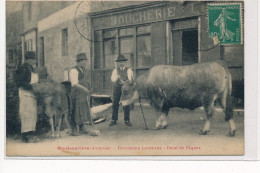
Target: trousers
(117,92)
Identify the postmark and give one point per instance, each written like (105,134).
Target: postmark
(225,23)
(82,20)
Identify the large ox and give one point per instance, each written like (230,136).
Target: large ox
(188,87)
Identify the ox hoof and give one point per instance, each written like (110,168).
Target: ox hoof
(164,127)
(157,128)
(204,132)
(58,135)
(231,133)
(75,133)
(52,137)
(69,133)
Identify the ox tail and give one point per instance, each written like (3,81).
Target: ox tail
(229,105)
(227,99)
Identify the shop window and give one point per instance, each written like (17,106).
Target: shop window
(143,47)
(126,41)
(126,31)
(143,51)
(127,49)
(144,29)
(109,33)
(110,48)
(29,45)
(64,42)
(189,47)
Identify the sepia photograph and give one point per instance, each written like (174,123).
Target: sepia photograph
(124,78)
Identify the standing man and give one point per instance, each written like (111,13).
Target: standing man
(24,77)
(79,95)
(122,78)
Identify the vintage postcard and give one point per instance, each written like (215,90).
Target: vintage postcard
(124,78)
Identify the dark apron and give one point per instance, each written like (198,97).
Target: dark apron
(80,101)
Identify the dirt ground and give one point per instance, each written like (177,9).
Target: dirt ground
(180,138)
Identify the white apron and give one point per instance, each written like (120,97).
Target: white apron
(27,110)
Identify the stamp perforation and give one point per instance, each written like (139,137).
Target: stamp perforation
(241,17)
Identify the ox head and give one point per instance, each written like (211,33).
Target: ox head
(138,90)
(134,98)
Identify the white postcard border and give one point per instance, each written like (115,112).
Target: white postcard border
(252,97)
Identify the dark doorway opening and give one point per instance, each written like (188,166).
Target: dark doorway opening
(189,47)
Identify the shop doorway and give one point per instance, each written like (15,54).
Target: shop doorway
(189,47)
(185,42)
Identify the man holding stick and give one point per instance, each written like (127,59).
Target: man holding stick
(123,79)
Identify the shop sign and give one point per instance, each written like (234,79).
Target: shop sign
(171,11)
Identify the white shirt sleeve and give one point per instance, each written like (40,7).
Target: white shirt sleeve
(114,76)
(130,74)
(74,77)
(34,78)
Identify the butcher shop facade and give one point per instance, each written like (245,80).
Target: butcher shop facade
(174,33)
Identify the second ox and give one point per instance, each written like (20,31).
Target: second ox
(188,87)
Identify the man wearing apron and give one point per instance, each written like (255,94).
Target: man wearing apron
(24,77)
(122,78)
(79,95)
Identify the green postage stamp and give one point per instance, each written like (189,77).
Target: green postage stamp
(225,23)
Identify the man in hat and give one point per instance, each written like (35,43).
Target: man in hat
(24,77)
(79,95)
(122,78)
